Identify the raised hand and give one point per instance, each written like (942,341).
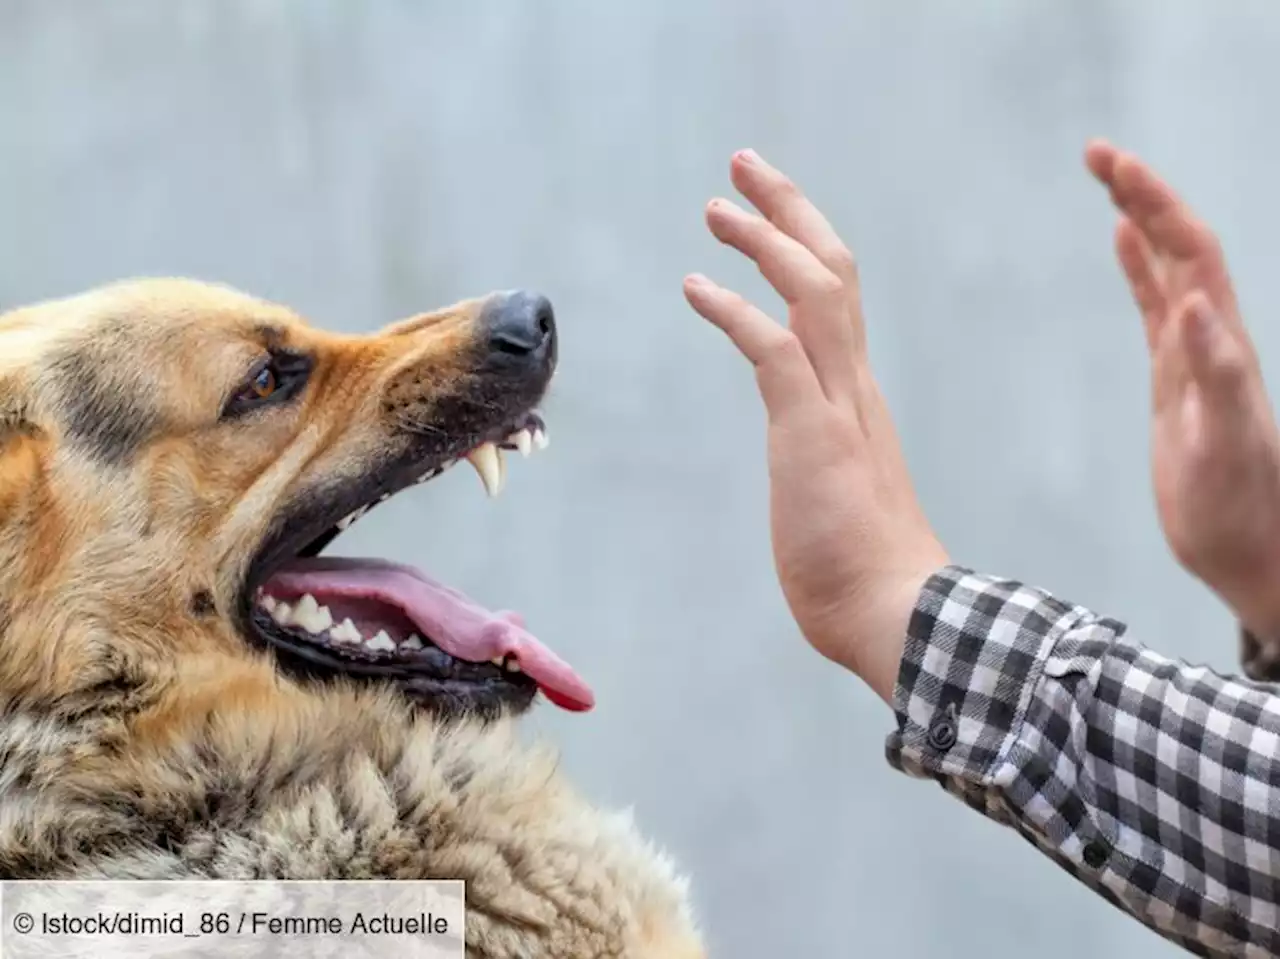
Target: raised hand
(1215,450)
(850,541)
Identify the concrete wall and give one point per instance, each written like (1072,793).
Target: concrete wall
(362,161)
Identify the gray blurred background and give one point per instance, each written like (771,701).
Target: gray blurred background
(364,161)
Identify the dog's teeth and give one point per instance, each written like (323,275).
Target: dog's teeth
(346,633)
(311,616)
(512,665)
(267,602)
(352,517)
(413,642)
(523,441)
(381,642)
(282,614)
(497,661)
(540,439)
(487,459)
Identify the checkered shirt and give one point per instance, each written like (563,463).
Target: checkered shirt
(1155,783)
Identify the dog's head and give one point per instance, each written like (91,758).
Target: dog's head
(174,456)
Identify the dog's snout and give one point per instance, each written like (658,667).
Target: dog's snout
(521,325)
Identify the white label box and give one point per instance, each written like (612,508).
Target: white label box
(237,920)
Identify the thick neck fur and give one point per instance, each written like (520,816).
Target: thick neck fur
(238,775)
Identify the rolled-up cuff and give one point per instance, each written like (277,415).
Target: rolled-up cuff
(975,649)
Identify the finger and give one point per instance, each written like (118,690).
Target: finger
(815,294)
(1173,233)
(784,205)
(1140,269)
(1168,224)
(1215,359)
(1169,374)
(1100,157)
(787,380)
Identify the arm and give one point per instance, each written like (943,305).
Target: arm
(1155,783)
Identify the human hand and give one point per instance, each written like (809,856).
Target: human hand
(851,544)
(1215,451)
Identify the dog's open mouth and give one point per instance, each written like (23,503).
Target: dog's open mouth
(377,620)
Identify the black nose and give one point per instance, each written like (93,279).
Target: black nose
(521,325)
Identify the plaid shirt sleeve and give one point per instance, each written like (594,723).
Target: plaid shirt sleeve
(1155,783)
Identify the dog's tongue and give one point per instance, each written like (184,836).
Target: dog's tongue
(454,622)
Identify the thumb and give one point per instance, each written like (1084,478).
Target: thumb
(1215,358)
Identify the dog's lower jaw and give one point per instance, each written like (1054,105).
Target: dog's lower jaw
(343,786)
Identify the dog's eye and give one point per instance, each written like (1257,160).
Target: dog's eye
(274,379)
(265,383)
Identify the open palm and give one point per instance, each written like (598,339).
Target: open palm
(1215,448)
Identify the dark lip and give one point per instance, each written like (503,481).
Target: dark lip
(442,682)
(475,688)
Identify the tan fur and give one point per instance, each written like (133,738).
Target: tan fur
(142,738)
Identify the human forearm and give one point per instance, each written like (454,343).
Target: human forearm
(1148,780)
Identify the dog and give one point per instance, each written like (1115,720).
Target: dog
(189,690)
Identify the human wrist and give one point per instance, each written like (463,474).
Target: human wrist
(1251,591)
(1258,606)
(878,629)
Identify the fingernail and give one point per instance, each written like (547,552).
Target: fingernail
(748,156)
(696,282)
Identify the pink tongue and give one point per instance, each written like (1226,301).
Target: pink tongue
(455,623)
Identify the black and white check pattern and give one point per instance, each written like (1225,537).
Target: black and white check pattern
(1154,782)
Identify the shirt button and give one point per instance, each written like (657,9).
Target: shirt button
(1095,854)
(942,731)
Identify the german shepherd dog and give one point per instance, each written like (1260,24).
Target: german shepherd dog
(189,690)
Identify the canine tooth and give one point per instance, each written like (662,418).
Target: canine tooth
(380,642)
(352,517)
(524,442)
(282,614)
(540,439)
(346,632)
(488,462)
(413,642)
(497,661)
(512,665)
(267,602)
